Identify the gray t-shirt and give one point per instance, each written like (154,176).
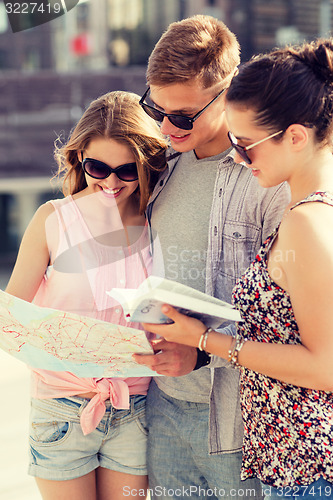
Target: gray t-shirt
(180,218)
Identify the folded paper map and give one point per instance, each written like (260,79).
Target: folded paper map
(61,341)
(144,303)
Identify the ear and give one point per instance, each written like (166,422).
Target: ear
(298,136)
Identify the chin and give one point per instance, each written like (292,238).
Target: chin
(181,148)
(268,184)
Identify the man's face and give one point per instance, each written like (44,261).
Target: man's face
(208,135)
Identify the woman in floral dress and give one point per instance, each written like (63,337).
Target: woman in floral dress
(280,108)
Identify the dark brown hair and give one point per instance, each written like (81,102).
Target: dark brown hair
(118,116)
(290,85)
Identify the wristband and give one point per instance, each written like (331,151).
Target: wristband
(203,359)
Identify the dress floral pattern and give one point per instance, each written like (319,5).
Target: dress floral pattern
(288,437)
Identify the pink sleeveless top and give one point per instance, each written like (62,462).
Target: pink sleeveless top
(83,269)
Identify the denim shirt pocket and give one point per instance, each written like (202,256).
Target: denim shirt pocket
(240,244)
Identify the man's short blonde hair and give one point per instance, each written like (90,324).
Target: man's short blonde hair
(199,48)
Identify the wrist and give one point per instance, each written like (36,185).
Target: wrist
(219,344)
(235,348)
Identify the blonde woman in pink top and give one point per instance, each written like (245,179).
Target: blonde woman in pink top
(87,435)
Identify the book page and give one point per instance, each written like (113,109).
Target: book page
(144,304)
(179,288)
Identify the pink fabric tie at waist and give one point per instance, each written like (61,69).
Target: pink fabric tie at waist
(115,390)
(48,384)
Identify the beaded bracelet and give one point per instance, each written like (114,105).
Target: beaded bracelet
(234,350)
(203,339)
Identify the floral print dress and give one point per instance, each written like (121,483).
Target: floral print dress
(288,437)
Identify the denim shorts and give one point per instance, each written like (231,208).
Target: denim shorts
(59,450)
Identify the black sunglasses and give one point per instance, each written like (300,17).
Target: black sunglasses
(99,170)
(242,150)
(179,121)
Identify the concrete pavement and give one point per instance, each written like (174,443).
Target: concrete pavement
(15,484)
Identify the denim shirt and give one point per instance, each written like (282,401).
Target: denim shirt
(243,214)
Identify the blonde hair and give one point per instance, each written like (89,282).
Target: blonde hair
(199,47)
(116,115)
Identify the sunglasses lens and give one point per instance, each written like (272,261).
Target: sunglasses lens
(96,169)
(178,121)
(181,122)
(243,154)
(128,172)
(239,149)
(152,112)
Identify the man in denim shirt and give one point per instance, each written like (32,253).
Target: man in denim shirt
(211,217)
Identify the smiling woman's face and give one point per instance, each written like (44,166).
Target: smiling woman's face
(114,154)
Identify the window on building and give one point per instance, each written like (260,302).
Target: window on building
(31,59)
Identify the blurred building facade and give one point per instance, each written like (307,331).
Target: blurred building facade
(50,73)
(101,33)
